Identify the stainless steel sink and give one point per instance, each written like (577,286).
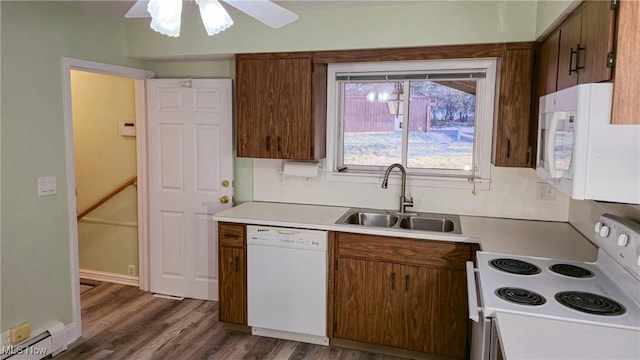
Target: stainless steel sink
(428,223)
(370,219)
(403,221)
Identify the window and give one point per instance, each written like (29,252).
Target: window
(433,117)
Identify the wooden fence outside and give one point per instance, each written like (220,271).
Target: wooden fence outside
(361,115)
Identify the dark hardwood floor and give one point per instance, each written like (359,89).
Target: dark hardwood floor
(123,322)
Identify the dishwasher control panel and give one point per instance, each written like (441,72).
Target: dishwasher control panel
(287,237)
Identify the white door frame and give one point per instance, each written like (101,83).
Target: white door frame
(74,330)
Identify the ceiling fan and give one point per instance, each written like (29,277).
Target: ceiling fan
(166,14)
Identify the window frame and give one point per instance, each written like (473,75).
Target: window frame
(486,92)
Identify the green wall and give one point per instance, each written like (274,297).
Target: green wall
(36,275)
(548,11)
(417,23)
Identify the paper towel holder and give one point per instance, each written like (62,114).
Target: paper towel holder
(304,169)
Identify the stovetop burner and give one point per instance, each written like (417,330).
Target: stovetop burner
(520,296)
(514,266)
(590,303)
(571,270)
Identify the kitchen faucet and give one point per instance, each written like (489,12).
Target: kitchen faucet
(403,199)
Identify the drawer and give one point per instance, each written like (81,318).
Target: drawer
(440,254)
(231,235)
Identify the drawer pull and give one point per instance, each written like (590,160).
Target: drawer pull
(393,281)
(406,283)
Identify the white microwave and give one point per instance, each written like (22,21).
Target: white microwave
(581,153)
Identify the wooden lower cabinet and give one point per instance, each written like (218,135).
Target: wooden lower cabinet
(420,308)
(232,274)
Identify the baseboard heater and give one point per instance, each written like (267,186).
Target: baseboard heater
(42,346)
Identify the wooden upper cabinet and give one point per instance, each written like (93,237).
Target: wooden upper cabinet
(548,65)
(281,108)
(569,42)
(586,39)
(626,85)
(511,147)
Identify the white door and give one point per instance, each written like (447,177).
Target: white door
(190,174)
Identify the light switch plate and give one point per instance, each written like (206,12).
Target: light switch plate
(46,185)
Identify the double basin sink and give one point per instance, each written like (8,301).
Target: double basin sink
(409,221)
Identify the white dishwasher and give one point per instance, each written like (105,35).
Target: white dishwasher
(287,283)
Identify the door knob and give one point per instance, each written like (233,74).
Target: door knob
(224,199)
(225,183)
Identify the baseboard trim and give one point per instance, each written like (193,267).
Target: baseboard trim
(108,277)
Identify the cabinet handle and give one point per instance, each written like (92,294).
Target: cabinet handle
(571,69)
(237,264)
(278,143)
(508,148)
(577,54)
(268,143)
(578,66)
(393,281)
(406,283)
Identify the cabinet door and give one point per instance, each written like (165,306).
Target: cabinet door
(596,37)
(385,303)
(293,132)
(435,311)
(232,286)
(626,85)
(569,42)
(419,287)
(548,77)
(451,309)
(351,302)
(256,102)
(511,132)
(368,302)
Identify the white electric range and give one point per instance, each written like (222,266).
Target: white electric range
(603,293)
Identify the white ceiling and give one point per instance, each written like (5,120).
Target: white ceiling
(117,8)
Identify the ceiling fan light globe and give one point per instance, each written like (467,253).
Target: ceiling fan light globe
(214,17)
(166,16)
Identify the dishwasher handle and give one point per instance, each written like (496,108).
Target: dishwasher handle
(472,293)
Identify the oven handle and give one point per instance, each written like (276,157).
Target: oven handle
(472,293)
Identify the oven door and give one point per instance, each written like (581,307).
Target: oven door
(484,335)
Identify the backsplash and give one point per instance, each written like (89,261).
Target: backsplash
(511,195)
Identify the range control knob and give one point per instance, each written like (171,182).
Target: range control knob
(597,227)
(623,239)
(604,231)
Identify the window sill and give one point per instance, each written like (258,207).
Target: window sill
(412,180)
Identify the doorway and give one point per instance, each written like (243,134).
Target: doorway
(138,76)
(104,139)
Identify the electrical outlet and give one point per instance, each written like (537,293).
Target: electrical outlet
(545,191)
(131,270)
(20,333)
(6,337)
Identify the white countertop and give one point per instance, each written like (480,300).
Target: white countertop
(525,337)
(518,237)
(530,238)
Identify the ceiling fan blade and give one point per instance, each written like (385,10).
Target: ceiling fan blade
(265,11)
(138,10)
